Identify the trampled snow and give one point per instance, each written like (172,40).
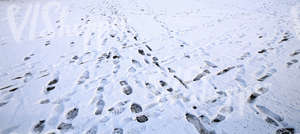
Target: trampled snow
(150,67)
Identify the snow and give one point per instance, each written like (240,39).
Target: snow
(144,67)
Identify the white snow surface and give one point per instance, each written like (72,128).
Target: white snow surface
(191,66)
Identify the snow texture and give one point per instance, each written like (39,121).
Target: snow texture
(149,67)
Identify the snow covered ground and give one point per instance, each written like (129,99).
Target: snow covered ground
(150,66)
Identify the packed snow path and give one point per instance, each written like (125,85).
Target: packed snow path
(150,67)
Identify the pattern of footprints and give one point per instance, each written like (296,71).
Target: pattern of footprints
(123,89)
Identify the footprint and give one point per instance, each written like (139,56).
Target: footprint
(39,127)
(64,126)
(204,119)
(118,108)
(262,51)
(225,70)
(292,62)
(136,63)
(126,88)
(136,108)
(141,52)
(83,77)
(14,89)
(285,131)
(199,76)
(116,69)
(171,70)
(286,37)
(53,82)
(252,97)
(92,130)
(226,110)
(142,118)
(74,58)
(45,101)
(51,85)
(3,103)
(218,118)
(117,131)
(99,107)
(270,113)
(263,78)
(162,83)
(27,77)
(170,89)
(197,124)
(295,53)
(271,121)
(181,81)
(132,70)
(262,90)
(72,114)
(149,48)
(9,86)
(210,64)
